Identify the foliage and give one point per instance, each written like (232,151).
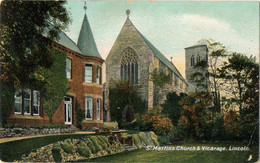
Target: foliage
(195,115)
(83,150)
(91,146)
(143,138)
(171,107)
(37,127)
(121,94)
(137,140)
(110,126)
(154,138)
(56,154)
(109,151)
(67,146)
(160,79)
(56,85)
(231,123)
(23,51)
(102,142)
(162,140)
(7,100)
(79,113)
(95,143)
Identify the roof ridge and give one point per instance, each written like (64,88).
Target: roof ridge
(149,43)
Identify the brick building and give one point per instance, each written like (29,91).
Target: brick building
(84,75)
(134,57)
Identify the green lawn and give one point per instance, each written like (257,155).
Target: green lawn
(14,150)
(143,155)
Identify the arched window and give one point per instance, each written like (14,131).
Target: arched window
(198,58)
(129,66)
(192,61)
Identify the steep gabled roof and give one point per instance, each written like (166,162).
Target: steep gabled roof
(158,54)
(86,42)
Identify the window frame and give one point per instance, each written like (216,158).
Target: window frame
(29,100)
(90,74)
(98,75)
(86,108)
(98,109)
(20,103)
(33,102)
(68,68)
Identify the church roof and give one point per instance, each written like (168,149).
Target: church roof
(159,55)
(86,42)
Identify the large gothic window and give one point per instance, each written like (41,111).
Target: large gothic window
(129,66)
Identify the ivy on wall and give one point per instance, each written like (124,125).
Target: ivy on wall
(160,79)
(56,85)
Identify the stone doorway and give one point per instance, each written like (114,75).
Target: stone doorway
(128,114)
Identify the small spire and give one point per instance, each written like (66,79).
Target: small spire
(171,59)
(127,13)
(85,7)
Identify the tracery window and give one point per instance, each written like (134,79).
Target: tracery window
(129,66)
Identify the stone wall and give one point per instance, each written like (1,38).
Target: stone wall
(20,132)
(197,50)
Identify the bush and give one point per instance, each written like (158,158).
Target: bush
(56,154)
(162,140)
(94,141)
(109,151)
(67,146)
(137,141)
(79,113)
(143,138)
(91,146)
(102,142)
(154,138)
(83,150)
(110,125)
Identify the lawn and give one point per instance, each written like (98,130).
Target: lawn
(14,150)
(143,155)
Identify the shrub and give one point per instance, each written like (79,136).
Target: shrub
(110,125)
(137,141)
(109,151)
(83,150)
(105,139)
(143,138)
(125,135)
(91,146)
(94,141)
(163,140)
(102,142)
(79,113)
(67,146)
(154,138)
(56,154)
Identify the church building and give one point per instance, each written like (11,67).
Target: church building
(84,75)
(134,57)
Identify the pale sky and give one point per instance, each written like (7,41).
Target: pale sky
(172,26)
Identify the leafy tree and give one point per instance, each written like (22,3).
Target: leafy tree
(160,79)
(171,107)
(242,75)
(121,94)
(207,75)
(23,48)
(195,115)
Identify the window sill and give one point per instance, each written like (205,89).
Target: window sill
(92,84)
(92,121)
(27,116)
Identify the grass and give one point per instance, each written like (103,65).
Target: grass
(14,150)
(142,155)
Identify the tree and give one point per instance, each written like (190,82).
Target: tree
(208,78)
(121,94)
(171,107)
(242,75)
(23,47)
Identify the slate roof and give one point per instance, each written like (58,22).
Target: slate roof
(159,55)
(86,42)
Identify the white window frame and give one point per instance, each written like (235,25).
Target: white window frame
(90,106)
(20,103)
(36,102)
(98,75)
(67,104)
(98,108)
(89,75)
(68,68)
(28,99)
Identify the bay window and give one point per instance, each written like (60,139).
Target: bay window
(88,73)
(88,108)
(98,75)
(98,108)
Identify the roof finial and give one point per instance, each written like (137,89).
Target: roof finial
(127,13)
(85,7)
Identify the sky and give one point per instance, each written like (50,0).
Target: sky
(171,26)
